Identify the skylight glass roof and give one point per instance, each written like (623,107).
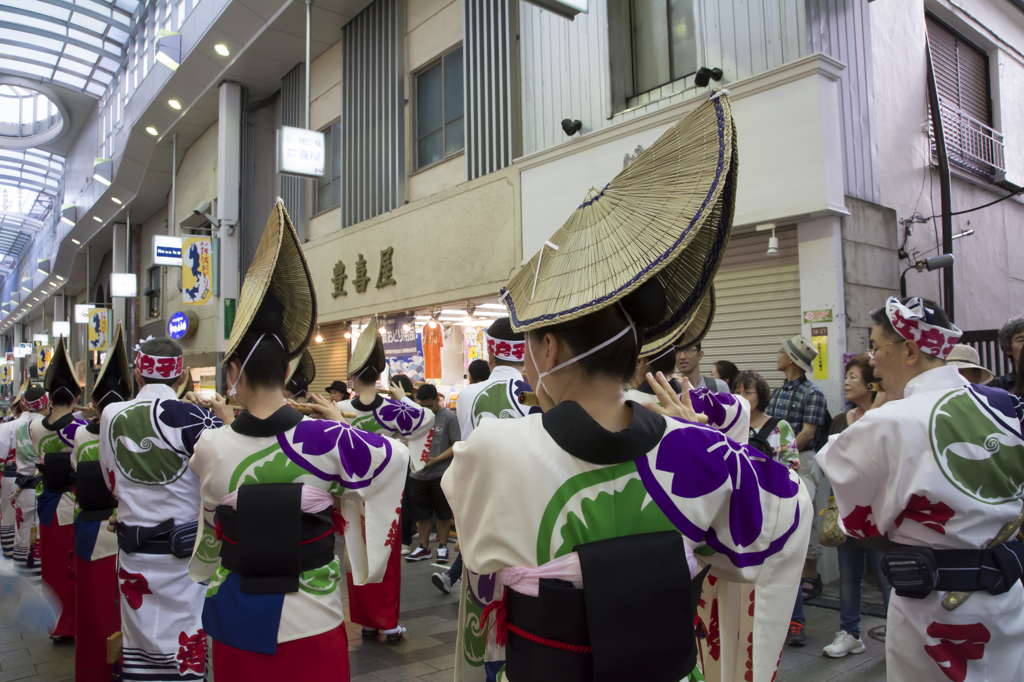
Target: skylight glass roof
(75,43)
(29,186)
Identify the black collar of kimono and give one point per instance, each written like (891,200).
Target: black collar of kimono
(363,407)
(577,433)
(93,427)
(285,419)
(673,384)
(60,423)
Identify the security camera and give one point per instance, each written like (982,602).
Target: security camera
(571,127)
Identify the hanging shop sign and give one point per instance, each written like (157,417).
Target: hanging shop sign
(166,250)
(182,325)
(26,349)
(6,374)
(82,313)
(300,152)
(124,285)
(99,328)
(43,356)
(9,358)
(399,336)
(197,271)
(61,329)
(40,339)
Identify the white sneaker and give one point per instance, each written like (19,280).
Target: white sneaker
(406,550)
(845,643)
(442,582)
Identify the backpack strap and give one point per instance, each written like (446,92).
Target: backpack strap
(767,428)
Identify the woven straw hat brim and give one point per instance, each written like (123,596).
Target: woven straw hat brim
(116,361)
(666,209)
(369,347)
(690,332)
(280,267)
(305,363)
(60,365)
(188,385)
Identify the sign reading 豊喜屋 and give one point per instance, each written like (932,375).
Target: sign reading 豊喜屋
(99,328)
(300,152)
(399,336)
(197,271)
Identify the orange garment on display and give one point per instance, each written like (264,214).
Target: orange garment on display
(433,340)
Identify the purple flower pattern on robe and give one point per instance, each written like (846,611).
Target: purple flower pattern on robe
(701,460)
(314,438)
(716,407)
(400,416)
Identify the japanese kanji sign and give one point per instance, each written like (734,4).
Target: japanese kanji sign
(99,328)
(197,271)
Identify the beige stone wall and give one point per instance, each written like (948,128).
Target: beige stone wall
(196,182)
(461,243)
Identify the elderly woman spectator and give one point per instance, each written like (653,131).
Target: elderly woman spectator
(861,389)
(772,436)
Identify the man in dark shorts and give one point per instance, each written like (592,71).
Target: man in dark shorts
(425,495)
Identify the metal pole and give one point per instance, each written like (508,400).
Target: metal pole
(947,218)
(309,12)
(172,229)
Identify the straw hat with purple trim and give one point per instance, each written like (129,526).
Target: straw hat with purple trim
(668,215)
(279,267)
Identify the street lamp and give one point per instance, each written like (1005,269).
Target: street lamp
(929,264)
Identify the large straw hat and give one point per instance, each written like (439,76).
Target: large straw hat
(694,330)
(116,364)
(187,386)
(369,350)
(667,215)
(279,267)
(60,365)
(301,365)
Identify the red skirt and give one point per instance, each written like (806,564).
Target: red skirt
(57,546)
(376,605)
(322,658)
(96,617)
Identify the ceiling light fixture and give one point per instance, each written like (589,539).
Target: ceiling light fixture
(151,130)
(318,338)
(73,240)
(97,219)
(174,104)
(116,200)
(221,49)
(68,221)
(100,178)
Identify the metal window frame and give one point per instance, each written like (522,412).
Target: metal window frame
(437,61)
(335,170)
(672,77)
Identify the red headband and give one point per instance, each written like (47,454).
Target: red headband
(911,321)
(157,367)
(35,405)
(501,349)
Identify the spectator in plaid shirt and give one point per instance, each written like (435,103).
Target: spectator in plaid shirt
(802,405)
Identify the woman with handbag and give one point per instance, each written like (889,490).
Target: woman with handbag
(860,387)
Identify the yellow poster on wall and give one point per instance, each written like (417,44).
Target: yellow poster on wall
(43,356)
(6,374)
(197,271)
(99,328)
(820,341)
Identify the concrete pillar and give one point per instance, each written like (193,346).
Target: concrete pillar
(19,363)
(119,263)
(229,165)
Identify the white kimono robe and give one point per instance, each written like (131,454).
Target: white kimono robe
(104,544)
(364,472)
(26,549)
(145,446)
(521,499)
(496,398)
(7,487)
(942,468)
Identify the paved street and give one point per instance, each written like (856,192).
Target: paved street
(427,654)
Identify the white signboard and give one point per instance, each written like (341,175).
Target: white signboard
(166,250)
(123,285)
(300,152)
(41,339)
(61,329)
(82,313)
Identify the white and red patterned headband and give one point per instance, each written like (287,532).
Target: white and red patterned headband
(914,322)
(501,349)
(35,405)
(159,367)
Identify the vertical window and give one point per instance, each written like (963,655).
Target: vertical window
(664,42)
(328,187)
(153,292)
(439,110)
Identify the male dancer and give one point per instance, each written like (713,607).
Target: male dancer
(939,470)
(36,405)
(145,446)
(7,486)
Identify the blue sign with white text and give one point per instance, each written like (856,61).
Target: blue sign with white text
(177,326)
(168,252)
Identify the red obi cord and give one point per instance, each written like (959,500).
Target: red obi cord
(503,628)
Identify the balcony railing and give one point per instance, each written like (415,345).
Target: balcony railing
(970,144)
